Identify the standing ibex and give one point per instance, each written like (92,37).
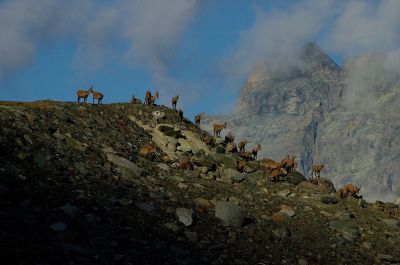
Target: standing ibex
(316,170)
(229,138)
(241,145)
(147,98)
(84,94)
(197,120)
(255,151)
(349,189)
(174,101)
(98,96)
(218,128)
(289,163)
(153,98)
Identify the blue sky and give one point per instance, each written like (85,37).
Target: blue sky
(202,50)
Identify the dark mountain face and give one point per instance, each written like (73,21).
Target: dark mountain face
(308,80)
(322,113)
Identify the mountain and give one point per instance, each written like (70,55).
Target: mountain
(77,187)
(343,117)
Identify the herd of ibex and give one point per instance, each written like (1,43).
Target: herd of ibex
(85,93)
(277,170)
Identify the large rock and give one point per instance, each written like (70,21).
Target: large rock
(230,214)
(295,178)
(191,142)
(327,183)
(252,166)
(123,163)
(226,161)
(347,230)
(169,130)
(232,174)
(205,161)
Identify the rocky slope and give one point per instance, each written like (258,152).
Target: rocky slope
(74,190)
(322,113)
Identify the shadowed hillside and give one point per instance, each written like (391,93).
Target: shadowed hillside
(74,189)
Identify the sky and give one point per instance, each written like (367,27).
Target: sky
(202,50)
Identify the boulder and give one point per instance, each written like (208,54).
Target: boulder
(205,161)
(232,174)
(226,161)
(230,213)
(252,166)
(169,130)
(295,178)
(191,142)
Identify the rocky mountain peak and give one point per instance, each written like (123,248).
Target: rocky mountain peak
(294,87)
(312,53)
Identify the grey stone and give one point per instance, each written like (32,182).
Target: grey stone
(283,193)
(192,236)
(148,207)
(124,164)
(185,216)
(162,166)
(205,161)
(172,226)
(227,161)
(230,213)
(169,130)
(125,201)
(58,227)
(348,230)
(251,167)
(295,178)
(329,200)
(70,210)
(281,232)
(387,258)
(232,174)
(392,222)
(219,149)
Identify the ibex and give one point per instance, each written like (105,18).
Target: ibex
(185,163)
(255,151)
(147,98)
(84,94)
(289,163)
(246,155)
(98,96)
(276,174)
(197,120)
(270,164)
(135,100)
(174,102)
(316,170)
(349,189)
(229,138)
(148,151)
(218,128)
(241,145)
(240,164)
(153,98)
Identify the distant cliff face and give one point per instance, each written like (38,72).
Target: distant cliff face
(310,79)
(304,109)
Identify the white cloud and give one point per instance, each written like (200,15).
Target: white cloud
(275,36)
(24,25)
(366,26)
